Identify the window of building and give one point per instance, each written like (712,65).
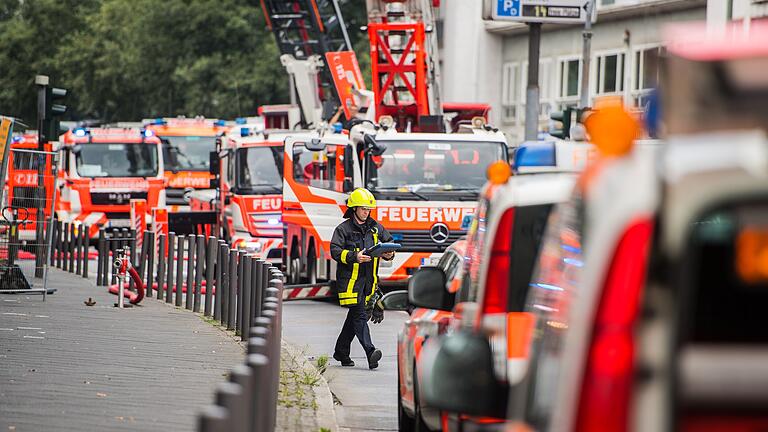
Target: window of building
(610,73)
(569,78)
(645,72)
(510,92)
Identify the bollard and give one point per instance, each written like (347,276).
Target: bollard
(150,271)
(113,245)
(169,278)
(54,243)
(232,290)
(131,247)
(213,419)
(222,280)
(101,249)
(258,268)
(241,375)
(179,269)
(190,270)
(71,245)
(200,263)
(257,343)
(59,244)
(78,251)
(245,298)
(65,249)
(228,395)
(210,268)
(141,266)
(239,290)
(161,261)
(275,369)
(86,248)
(259,365)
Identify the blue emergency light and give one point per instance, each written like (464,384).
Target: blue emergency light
(220,123)
(241,120)
(337,127)
(245,131)
(147,133)
(159,122)
(536,154)
(80,132)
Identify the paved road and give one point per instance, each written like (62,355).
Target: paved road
(70,367)
(368,398)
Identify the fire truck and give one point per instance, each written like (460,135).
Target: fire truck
(252,189)
(426,186)
(23,183)
(102,169)
(187,143)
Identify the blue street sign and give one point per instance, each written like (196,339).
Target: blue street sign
(508,8)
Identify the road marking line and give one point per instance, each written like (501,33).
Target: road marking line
(14,314)
(6,329)
(34,337)
(28,328)
(42,316)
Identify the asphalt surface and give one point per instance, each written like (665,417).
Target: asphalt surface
(366,400)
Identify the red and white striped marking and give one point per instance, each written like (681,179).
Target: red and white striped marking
(310,292)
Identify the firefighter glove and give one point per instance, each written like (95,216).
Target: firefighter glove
(377,314)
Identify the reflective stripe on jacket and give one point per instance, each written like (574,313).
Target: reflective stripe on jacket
(356,282)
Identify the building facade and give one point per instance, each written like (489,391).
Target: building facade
(626,44)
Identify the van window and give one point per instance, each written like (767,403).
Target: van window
(321,169)
(727,270)
(552,287)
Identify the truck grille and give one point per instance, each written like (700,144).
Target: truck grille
(116,198)
(420,241)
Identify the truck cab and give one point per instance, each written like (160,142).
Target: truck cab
(187,143)
(426,186)
(102,169)
(251,190)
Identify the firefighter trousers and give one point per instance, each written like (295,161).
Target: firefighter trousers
(356,324)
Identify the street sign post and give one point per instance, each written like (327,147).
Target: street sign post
(541,11)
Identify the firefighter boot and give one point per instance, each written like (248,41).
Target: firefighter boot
(373,359)
(346,362)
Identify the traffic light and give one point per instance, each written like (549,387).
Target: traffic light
(564,118)
(49,109)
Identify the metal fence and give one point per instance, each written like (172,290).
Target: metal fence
(25,222)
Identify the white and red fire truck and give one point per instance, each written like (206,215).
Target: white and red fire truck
(187,144)
(426,186)
(101,170)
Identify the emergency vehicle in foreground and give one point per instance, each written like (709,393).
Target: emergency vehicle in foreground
(499,253)
(187,144)
(426,186)
(22,183)
(646,311)
(101,170)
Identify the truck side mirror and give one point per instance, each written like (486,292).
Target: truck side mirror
(374,147)
(426,289)
(348,186)
(396,301)
(349,161)
(444,381)
(214,166)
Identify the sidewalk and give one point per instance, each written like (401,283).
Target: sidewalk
(72,367)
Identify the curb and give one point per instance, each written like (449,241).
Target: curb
(326,413)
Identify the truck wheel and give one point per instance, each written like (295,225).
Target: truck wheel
(294,270)
(311,267)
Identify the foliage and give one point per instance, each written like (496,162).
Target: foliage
(128,60)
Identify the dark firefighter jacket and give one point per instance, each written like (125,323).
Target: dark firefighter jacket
(356,282)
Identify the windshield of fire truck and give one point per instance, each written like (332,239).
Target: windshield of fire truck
(116,160)
(433,165)
(259,168)
(187,153)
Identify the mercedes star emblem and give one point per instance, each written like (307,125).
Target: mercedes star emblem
(439,233)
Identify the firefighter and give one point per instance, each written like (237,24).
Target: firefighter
(356,275)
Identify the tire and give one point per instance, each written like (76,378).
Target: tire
(294,270)
(404,421)
(311,267)
(418,420)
